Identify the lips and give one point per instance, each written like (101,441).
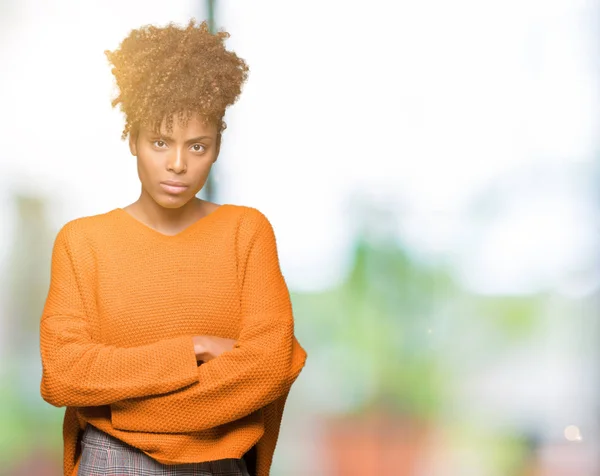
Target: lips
(174,182)
(175,189)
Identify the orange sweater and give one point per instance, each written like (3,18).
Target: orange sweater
(116,336)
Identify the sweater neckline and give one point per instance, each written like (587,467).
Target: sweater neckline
(148,230)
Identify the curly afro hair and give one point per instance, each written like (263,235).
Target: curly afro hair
(171,70)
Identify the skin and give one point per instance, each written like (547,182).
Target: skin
(187,154)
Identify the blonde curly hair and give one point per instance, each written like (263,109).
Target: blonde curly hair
(163,71)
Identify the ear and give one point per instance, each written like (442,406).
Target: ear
(133,143)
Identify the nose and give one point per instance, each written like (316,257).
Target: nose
(177,162)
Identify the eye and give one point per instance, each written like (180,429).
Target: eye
(198,148)
(159,143)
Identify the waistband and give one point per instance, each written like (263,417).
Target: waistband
(95,437)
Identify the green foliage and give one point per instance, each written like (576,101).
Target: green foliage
(22,423)
(516,316)
(388,330)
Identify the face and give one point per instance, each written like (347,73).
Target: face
(186,156)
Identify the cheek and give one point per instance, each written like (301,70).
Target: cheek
(204,169)
(199,176)
(147,168)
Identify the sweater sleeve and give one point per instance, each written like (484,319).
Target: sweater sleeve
(261,367)
(76,370)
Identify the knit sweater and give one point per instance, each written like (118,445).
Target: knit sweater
(116,336)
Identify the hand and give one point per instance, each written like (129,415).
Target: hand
(210,347)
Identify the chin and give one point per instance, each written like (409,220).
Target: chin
(172,201)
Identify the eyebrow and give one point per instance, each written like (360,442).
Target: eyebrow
(189,141)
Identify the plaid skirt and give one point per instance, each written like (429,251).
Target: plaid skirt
(105,455)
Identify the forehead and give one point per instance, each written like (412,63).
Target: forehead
(194,127)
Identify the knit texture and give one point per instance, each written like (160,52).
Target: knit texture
(116,336)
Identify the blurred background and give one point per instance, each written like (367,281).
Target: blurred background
(431,171)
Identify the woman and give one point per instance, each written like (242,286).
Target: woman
(168,331)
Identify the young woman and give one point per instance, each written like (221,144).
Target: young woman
(168,331)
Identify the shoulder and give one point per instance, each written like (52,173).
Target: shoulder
(80,230)
(252,215)
(253,220)
(253,225)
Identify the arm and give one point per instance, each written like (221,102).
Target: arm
(258,370)
(76,371)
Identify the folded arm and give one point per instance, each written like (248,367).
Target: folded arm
(76,371)
(198,407)
(260,368)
